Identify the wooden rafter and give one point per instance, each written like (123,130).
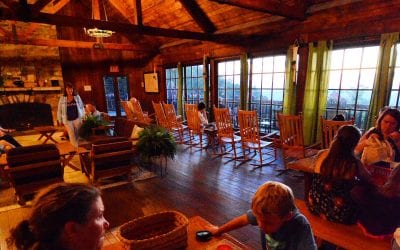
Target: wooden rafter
(40,4)
(95,9)
(139,19)
(273,7)
(198,15)
(123,28)
(52,9)
(72,44)
(125,8)
(10,4)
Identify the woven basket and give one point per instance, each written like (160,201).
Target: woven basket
(165,230)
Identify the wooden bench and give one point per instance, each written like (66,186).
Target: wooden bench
(345,236)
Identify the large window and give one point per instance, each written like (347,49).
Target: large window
(394,100)
(266,89)
(351,79)
(193,84)
(116,90)
(229,87)
(193,90)
(172,86)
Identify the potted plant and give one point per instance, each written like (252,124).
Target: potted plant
(155,141)
(89,122)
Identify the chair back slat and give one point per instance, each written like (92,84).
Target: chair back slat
(248,122)
(193,120)
(291,130)
(160,114)
(128,111)
(329,129)
(223,122)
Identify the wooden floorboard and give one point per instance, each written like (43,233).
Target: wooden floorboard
(196,183)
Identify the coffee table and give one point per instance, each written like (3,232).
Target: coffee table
(47,132)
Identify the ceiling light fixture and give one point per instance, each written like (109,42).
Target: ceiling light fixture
(95,32)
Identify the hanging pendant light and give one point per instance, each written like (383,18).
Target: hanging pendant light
(95,32)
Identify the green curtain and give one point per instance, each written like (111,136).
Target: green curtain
(180,89)
(206,81)
(316,90)
(383,76)
(289,97)
(244,78)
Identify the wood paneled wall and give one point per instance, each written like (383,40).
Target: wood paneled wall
(355,23)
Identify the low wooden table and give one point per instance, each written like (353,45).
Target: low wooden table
(197,223)
(68,151)
(47,132)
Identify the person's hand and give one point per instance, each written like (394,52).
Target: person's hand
(395,136)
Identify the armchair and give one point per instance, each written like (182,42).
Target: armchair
(32,168)
(108,159)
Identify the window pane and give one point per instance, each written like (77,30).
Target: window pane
(267,81)
(279,63)
(350,79)
(333,96)
(364,98)
(352,58)
(396,79)
(370,57)
(347,98)
(257,65)
(337,59)
(268,64)
(334,79)
(221,69)
(256,81)
(393,98)
(367,78)
(279,80)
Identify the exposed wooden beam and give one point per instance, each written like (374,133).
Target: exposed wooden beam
(139,19)
(73,44)
(95,10)
(52,9)
(198,15)
(5,33)
(125,9)
(40,4)
(272,7)
(123,28)
(10,4)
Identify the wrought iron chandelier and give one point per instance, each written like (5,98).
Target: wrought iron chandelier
(95,32)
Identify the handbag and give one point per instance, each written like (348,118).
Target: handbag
(376,151)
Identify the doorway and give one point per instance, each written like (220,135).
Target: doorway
(116,89)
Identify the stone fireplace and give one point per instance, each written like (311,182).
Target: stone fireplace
(25,108)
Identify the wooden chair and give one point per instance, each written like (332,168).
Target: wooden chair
(127,106)
(33,167)
(108,159)
(194,127)
(329,129)
(160,115)
(291,137)
(225,132)
(138,113)
(251,139)
(174,121)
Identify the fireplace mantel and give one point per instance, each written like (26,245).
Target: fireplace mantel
(16,89)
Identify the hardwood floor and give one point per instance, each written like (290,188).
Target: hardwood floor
(196,183)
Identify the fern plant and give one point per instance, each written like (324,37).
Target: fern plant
(154,141)
(90,122)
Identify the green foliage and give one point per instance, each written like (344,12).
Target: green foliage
(155,141)
(90,122)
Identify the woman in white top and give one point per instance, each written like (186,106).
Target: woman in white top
(70,113)
(201,107)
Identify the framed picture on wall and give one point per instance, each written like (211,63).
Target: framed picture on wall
(151,82)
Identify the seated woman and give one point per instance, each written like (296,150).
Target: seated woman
(387,127)
(201,107)
(63,216)
(379,214)
(337,170)
(5,136)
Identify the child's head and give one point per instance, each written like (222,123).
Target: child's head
(273,205)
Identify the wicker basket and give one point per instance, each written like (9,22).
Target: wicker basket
(165,230)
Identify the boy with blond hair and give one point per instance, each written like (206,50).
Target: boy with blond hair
(274,212)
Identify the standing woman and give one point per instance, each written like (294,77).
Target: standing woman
(70,113)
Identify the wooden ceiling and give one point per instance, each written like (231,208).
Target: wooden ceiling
(150,25)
